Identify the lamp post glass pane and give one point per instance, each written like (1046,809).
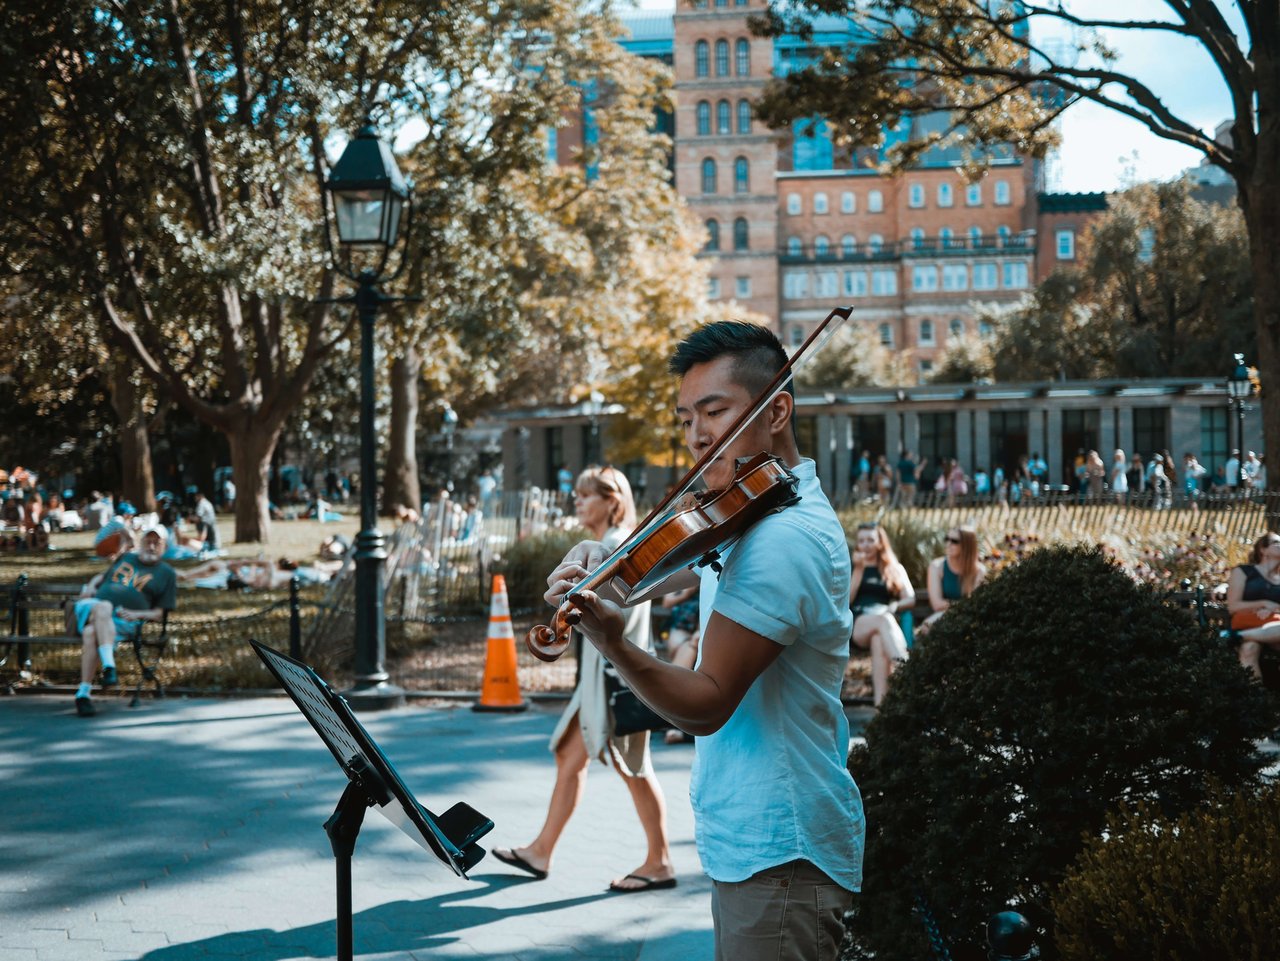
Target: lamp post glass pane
(362,216)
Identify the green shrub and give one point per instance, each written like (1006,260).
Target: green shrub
(1203,885)
(526,563)
(1058,690)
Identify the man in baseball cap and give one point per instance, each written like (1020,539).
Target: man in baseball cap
(137,587)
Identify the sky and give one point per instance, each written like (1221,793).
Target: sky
(1104,150)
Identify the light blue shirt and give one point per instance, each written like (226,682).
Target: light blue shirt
(772,785)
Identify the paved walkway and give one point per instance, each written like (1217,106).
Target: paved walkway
(188,829)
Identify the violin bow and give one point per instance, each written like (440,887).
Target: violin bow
(816,340)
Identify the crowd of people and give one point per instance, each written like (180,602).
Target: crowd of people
(1159,481)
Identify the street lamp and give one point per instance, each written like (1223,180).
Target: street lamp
(595,406)
(448,424)
(1239,386)
(369,197)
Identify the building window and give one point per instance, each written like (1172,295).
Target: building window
(1003,233)
(975,237)
(924,279)
(985,276)
(926,333)
(739,3)
(1214,437)
(1015,275)
(722,58)
(985,329)
(794,247)
(1066,244)
(956,327)
(875,243)
(741,176)
(820,203)
(875,201)
(886,335)
(742,58)
(821,246)
(973,195)
(722,3)
(855,283)
(797,335)
(740,234)
(713,288)
(937,439)
(1150,429)
(848,202)
(917,238)
(713,235)
(794,204)
(704,118)
(1002,193)
(723,119)
(915,195)
(955,277)
(947,238)
(744,116)
(848,245)
(945,198)
(1146,245)
(742,287)
(701,58)
(708,176)
(795,284)
(884,283)
(826,284)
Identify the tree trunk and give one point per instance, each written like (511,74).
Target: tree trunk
(1261,203)
(252,444)
(137,485)
(400,483)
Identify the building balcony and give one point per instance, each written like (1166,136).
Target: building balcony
(987,245)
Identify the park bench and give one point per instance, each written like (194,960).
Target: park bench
(1212,613)
(36,614)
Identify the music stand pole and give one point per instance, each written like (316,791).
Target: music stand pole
(343,827)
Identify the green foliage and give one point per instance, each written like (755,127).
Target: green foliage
(1201,885)
(1056,692)
(526,563)
(966,360)
(854,357)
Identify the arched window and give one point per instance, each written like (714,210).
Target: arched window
(820,203)
(794,247)
(741,236)
(917,238)
(875,201)
(973,195)
(723,119)
(742,58)
(915,195)
(848,245)
(957,327)
(945,197)
(926,331)
(722,58)
(1002,192)
(741,176)
(701,58)
(744,116)
(794,204)
(848,202)
(876,243)
(821,245)
(1004,232)
(708,176)
(975,237)
(945,235)
(713,235)
(704,118)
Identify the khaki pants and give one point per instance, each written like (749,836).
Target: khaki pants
(792,912)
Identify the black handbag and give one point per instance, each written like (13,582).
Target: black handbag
(630,714)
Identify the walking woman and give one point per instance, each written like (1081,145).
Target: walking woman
(604,506)
(953,576)
(878,585)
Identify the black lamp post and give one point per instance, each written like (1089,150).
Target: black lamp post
(369,197)
(1239,386)
(595,406)
(448,424)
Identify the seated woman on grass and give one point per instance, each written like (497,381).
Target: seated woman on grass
(878,585)
(953,576)
(1253,600)
(258,575)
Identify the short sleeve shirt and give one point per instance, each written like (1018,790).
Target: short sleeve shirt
(772,785)
(136,586)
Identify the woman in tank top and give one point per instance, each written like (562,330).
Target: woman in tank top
(953,576)
(1253,598)
(878,584)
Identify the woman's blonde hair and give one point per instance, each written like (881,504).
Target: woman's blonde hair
(611,484)
(891,568)
(968,558)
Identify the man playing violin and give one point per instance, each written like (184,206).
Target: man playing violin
(779,820)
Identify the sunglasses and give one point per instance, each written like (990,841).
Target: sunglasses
(952,540)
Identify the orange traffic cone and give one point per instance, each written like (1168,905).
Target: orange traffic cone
(500,690)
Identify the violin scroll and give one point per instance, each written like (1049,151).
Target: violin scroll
(547,642)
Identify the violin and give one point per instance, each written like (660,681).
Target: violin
(690,529)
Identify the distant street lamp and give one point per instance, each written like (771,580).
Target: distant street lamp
(1239,386)
(369,197)
(595,407)
(448,425)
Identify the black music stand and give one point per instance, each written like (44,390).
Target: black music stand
(372,782)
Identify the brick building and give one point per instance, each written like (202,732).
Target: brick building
(795,226)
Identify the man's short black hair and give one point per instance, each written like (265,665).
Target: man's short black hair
(757,352)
